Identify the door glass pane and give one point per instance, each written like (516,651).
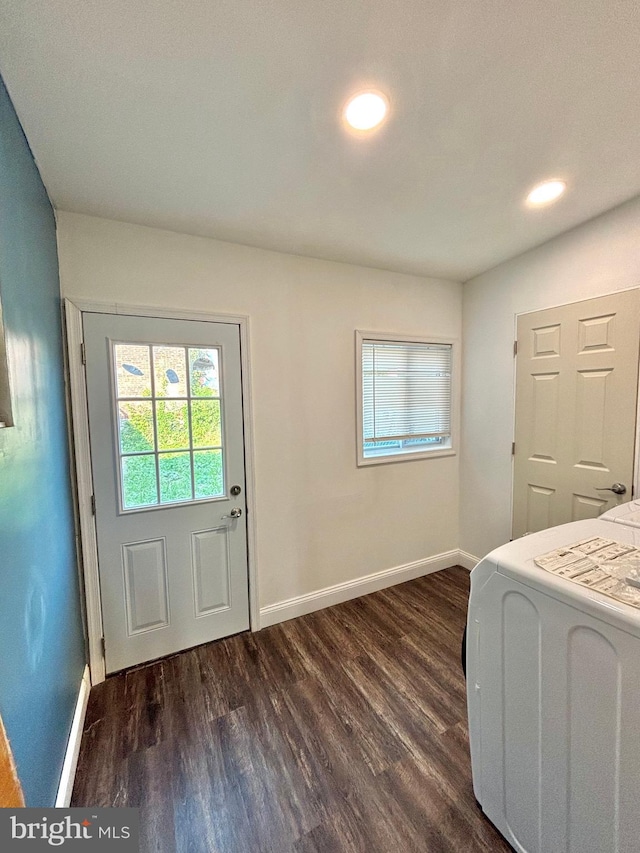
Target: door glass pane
(208,473)
(204,369)
(172,423)
(132,370)
(175,477)
(170,429)
(205,423)
(139,481)
(136,426)
(170,370)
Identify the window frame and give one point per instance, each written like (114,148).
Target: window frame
(405,455)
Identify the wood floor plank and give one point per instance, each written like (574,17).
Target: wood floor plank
(343,731)
(149,777)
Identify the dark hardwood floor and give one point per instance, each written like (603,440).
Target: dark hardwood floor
(344,730)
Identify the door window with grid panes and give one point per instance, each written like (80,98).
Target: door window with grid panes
(169,424)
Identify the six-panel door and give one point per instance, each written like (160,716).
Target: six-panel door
(576,393)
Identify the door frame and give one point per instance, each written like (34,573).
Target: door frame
(636,448)
(73,310)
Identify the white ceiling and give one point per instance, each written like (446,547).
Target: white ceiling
(222,118)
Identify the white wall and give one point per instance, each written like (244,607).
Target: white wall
(599,257)
(320,519)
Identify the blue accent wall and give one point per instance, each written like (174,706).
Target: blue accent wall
(42,653)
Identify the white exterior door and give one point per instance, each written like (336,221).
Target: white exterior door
(576,393)
(167,451)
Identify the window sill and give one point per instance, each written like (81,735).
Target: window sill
(364,462)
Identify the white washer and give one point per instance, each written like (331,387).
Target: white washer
(553,689)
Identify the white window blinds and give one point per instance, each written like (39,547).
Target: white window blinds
(406,390)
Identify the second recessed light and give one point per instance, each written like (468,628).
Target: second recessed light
(545,193)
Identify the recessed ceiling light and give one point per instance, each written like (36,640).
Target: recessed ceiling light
(545,193)
(366,110)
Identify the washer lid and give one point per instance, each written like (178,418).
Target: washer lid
(516,560)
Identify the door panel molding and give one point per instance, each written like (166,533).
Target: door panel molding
(79,421)
(211,593)
(146,585)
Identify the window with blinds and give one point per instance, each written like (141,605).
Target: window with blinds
(405,405)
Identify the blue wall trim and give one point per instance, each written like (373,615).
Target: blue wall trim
(42,652)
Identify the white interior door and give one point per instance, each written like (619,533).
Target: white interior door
(576,393)
(167,455)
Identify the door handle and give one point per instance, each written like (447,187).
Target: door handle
(617,489)
(236,512)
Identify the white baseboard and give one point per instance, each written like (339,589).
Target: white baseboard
(65,788)
(303,604)
(466,560)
